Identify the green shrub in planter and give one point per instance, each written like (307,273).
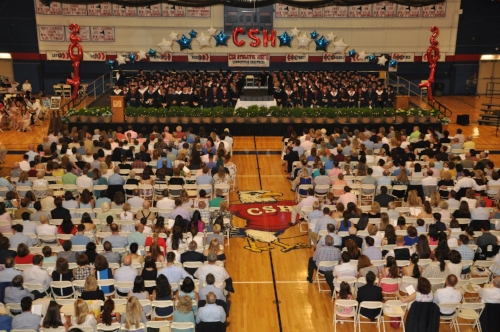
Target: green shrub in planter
(263,111)
(275,111)
(297,112)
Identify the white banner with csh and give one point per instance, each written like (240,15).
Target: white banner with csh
(58,55)
(333,57)
(248,60)
(297,57)
(94,56)
(403,57)
(199,57)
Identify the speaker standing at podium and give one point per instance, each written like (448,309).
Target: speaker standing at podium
(117,91)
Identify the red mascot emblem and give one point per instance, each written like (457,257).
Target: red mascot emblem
(266,219)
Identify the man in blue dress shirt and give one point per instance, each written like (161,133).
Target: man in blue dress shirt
(211,312)
(173,273)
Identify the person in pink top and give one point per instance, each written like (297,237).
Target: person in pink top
(347,197)
(167,136)
(339,182)
(335,171)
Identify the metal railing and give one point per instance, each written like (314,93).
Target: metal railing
(94,89)
(405,87)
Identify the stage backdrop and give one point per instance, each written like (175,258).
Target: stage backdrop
(380,28)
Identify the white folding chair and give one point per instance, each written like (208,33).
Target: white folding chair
(344,316)
(161,304)
(394,309)
(182,326)
(369,305)
(451,319)
(57,289)
(470,312)
(110,328)
(318,276)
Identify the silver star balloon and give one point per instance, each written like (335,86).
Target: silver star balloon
(165,46)
(174,36)
(382,60)
(361,56)
(294,32)
(203,40)
(212,31)
(304,41)
(330,37)
(339,46)
(141,55)
(120,59)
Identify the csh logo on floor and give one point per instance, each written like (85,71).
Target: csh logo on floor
(266,220)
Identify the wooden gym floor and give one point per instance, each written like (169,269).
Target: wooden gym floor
(271,291)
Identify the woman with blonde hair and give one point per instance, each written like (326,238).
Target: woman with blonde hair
(444,183)
(186,201)
(134,315)
(435,199)
(445,213)
(375,210)
(413,200)
(214,247)
(82,316)
(126,214)
(155,238)
(103,168)
(183,312)
(221,177)
(373,233)
(480,178)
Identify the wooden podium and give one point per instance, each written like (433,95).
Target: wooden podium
(402,102)
(118,107)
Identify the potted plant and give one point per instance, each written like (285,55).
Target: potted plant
(162,115)
(130,114)
(274,111)
(252,113)
(365,114)
(72,115)
(329,115)
(196,115)
(411,114)
(185,113)
(285,114)
(422,115)
(377,114)
(240,113)
(152,114)
(399,115)
(263,114)
(228,114)
(388,115)
(173,114)
(143,113)
(206,115)
(434,115)
(445,121)
(342,115)
(297,113)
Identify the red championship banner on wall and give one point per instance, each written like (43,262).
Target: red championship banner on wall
(58,55)
(160,57)
(360,11)
(437,10)
(69,9)
(384,9)
(54,8)
(84,34)
(199,11)
(403,57)
(333,57)
(311,13)
(149,11)
(100,9)
(102,34)
(336,11)
(199,57)
(297,57)
(94,56)
(51,33)
(408,11)
(285,11)
(248,60)
(119,10)
(173,10)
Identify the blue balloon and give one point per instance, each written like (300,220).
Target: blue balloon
(372,58)
(314,35)
(393,63)
(221,39)
(352,53)
(111,64)
(285,39)
(152,53)
(193,33)
(321,44)
(184,42)
(131,57)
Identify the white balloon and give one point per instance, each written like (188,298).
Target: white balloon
(141,55)
(165,45)
(304,41)
(203,40)
(331,37)
(121,60)
(382,60)
(212,31)
(295,32)
(361,56)
(339,47)
(174,36)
